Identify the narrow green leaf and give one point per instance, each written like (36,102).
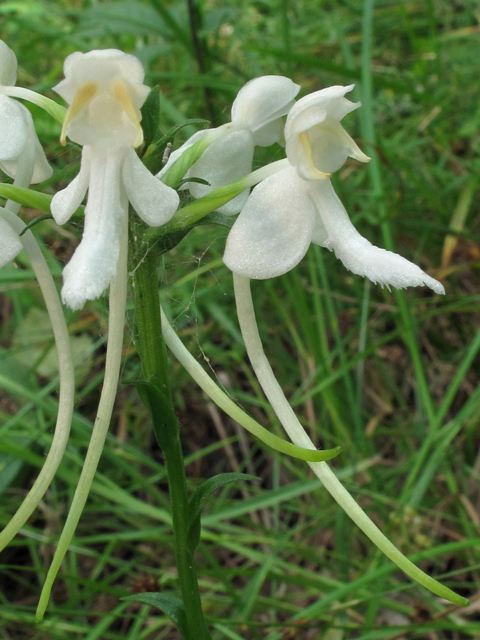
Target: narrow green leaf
(34,222)
(169,604)
(164,419)
(182,35)
(151,116)
(196,501)
(316,62)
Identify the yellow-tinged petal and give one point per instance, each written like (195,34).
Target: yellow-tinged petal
(307,148)
(83,96)
(121,91)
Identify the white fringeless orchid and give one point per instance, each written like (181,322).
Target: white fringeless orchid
(105,91)
(20,149)
(257,114)
(298,205)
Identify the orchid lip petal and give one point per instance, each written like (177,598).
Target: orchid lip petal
(357,253)
(94,263)
(274,229)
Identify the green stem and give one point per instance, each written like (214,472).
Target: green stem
(50,106)
(62,342)
(198,209)
(67,380)
(274,393)
(151,349)
(146,301)
(118,294)
(222,400)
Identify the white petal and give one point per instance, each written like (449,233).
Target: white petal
(331,145)
(94,263)
(323,148)
(270,133)
(229,158)
(10,244)
(274,229)
(331,100)
(13,130)
(66,202)
(42,170)
(263,100)
(101,66)
(8,65)
(154,202)
(105,92)
(358,254)
(317,142)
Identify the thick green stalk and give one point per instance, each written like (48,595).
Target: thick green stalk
(147,321)
(151,349)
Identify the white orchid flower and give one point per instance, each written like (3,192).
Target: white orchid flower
(105,91)
(298,205)
(257,114)
(20,149)
(284,214)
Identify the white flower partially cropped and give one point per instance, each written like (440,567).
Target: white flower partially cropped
(20,149)
(257,114)
(105,91)
(298,205)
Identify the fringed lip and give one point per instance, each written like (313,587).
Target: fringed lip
(104,172)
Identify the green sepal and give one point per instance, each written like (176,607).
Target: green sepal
(164,418)
(177,170)
(153,156)
(199,496)
(169,604)
(151,116)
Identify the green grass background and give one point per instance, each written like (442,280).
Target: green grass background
(391,377)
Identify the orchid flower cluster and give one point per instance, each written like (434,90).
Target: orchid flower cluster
(293,205)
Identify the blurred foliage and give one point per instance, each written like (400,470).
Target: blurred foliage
(393,378)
